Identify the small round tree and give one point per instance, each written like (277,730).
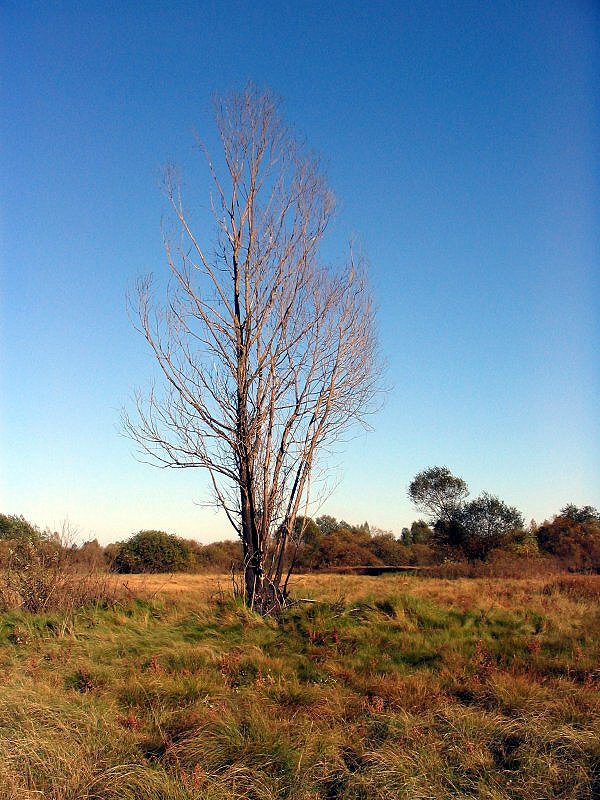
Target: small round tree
(488,522)
(438,493)
(153,551)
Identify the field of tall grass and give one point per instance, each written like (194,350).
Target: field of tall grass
(384,687)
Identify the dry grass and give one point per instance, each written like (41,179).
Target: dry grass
(460,593)
(202,586)
(388,687)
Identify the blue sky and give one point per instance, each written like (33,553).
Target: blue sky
(462,142)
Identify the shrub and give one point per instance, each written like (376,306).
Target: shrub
(479,527)
(422,555)
(420,533)
(577,544)
(309,537)
(327,524)
(344,548)
(40,576)
(499,564)
(153,551)
(307,532)
(217,556)
(17,528)
(89,556)
(388,549)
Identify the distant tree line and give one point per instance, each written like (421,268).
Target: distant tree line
(455,531)
(480,529)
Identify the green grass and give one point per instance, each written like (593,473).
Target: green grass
(438,690)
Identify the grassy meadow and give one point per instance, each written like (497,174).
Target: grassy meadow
(385,687)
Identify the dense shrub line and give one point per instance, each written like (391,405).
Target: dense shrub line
(570,541)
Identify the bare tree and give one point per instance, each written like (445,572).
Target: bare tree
(268,356)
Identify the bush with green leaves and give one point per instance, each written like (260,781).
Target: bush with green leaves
(153,551)
(419,533)
(389,550)
(15,530)
(574,537)
(480,526)
(217,556)
(13,527)
(580,514)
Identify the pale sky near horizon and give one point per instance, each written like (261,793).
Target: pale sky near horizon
(462,142)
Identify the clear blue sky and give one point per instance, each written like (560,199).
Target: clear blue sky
(462,141)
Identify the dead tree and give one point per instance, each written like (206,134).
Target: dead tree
(268,356)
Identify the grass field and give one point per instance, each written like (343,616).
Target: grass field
(387,687)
